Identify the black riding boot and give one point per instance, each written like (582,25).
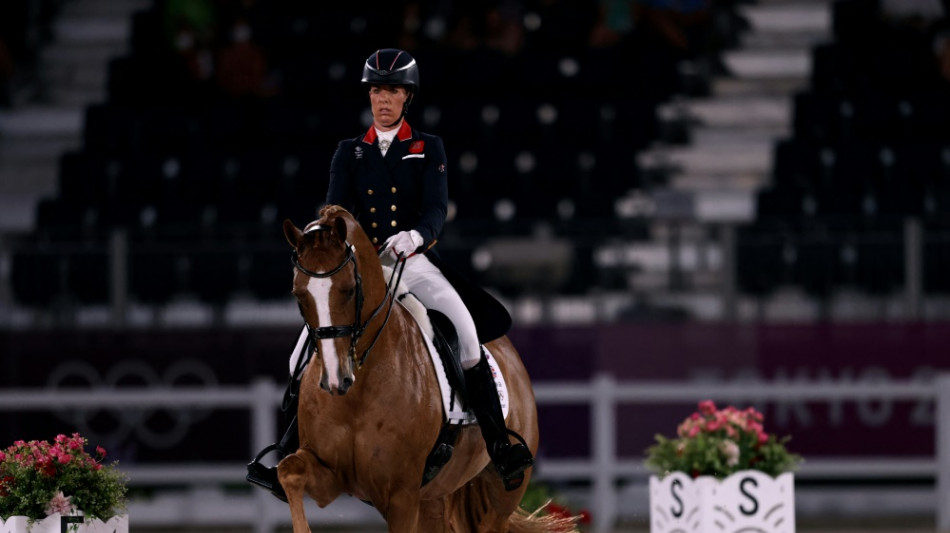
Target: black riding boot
(511,460)
(266,476)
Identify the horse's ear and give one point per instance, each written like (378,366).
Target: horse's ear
(291,233)
(340,226)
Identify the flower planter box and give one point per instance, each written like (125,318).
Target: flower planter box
(748,500)
(56,523)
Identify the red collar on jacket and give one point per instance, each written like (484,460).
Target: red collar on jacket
(404,133)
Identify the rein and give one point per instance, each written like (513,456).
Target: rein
(354,331)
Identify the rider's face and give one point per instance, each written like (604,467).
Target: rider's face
(387,102)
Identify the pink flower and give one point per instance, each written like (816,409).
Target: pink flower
(100,451)
(752,414)
(707,407)
(756,427)
(60,504)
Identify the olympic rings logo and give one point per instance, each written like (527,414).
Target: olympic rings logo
(126,422)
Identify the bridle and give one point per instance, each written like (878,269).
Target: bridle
(356,329)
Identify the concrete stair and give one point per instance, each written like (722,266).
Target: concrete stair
(733,131)
(73,74)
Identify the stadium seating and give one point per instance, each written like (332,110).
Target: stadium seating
(200,180)
(868,149)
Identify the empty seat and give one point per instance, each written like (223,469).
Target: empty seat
(44,277)
(270,274)
(765,259)
(936,258)
(216,273)
(38,277)
(817,263)
(880,261)
(157,273)
(89,275)
(88,178)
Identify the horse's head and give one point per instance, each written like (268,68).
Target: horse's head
(330,291)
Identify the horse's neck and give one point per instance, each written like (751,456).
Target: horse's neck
(401,344)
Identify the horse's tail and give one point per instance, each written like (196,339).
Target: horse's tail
(523,522)
(475,504)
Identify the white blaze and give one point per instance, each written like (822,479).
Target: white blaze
(319,288)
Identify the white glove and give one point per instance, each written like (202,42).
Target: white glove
(404,242)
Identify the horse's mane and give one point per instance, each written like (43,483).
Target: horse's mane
(332,211)
(327,215)
(331,215)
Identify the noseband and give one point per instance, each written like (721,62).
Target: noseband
(356,329)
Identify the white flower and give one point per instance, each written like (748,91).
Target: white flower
(60,504)
(731,450)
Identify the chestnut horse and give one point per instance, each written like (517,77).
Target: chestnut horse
(367,424)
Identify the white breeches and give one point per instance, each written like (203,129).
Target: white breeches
(427,283)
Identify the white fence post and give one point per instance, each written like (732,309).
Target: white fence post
(263,433)
(942,431)
(604,448)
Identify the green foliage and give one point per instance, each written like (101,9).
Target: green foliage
(713,442)
(38,478)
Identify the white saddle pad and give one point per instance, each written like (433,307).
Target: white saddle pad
(451,402)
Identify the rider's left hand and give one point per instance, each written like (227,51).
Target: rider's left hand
(404,242)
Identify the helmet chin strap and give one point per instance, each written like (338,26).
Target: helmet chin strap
(398,120)
(405,109)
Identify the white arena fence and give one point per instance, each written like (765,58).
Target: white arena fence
(604,470)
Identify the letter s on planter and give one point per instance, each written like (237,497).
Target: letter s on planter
(746,500)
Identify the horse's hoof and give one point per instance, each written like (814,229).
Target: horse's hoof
(265,477)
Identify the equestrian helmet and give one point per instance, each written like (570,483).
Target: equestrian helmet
(391,66)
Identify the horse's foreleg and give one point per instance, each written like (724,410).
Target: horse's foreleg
(301,474)
(292,472)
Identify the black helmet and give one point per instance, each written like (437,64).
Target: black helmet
(391,66)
